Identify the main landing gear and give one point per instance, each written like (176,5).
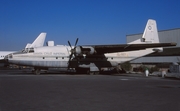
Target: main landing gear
(86,71)
(37,71)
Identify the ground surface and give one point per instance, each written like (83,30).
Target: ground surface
(23,91)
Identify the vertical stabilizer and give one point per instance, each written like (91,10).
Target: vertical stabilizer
(38,42)
(150,34)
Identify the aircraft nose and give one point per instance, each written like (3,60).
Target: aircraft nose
(6,58)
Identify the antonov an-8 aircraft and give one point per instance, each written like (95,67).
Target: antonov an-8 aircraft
(38,42)
(89,58)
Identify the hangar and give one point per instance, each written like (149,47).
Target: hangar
(169,54)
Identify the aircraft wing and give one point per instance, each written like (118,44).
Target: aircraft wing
(101,49)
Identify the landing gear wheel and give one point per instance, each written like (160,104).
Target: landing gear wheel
(88,71)
(96,73)
(120,70)
(37,71)
(91,72)
(82,71)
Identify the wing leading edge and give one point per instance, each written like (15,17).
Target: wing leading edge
(101,49)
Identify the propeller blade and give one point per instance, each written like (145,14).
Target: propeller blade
(69,44)
(70,56)
(69,62)
(76,42)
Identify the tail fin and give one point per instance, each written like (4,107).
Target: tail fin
(150,34)
(38,42)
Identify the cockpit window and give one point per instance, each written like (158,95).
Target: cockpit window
(31,50)
(20,52)
(28,50)
(24,51)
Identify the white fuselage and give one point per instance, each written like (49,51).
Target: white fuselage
(59,57)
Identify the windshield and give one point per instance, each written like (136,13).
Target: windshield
(26,50)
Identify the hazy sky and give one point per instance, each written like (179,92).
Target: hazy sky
(92,21)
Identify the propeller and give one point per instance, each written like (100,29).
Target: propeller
(72,50)
(69,44)
(76,42)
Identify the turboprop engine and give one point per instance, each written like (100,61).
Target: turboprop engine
(79,50)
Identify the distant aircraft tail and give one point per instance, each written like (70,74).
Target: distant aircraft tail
(38,42)
(150,34)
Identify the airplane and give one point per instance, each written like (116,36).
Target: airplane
(38,42)
(90,59)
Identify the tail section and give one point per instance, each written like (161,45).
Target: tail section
(149,37)
(38,42)
(150,34)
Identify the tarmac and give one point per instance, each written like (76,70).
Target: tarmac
(20,90)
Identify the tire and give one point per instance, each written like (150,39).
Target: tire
(37,71)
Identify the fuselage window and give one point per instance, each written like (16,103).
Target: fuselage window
(62,57)
(56,57)
(111,57)
(43,57)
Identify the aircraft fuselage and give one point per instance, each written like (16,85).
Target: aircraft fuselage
(59,57)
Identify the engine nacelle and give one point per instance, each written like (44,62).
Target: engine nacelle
(84,50)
